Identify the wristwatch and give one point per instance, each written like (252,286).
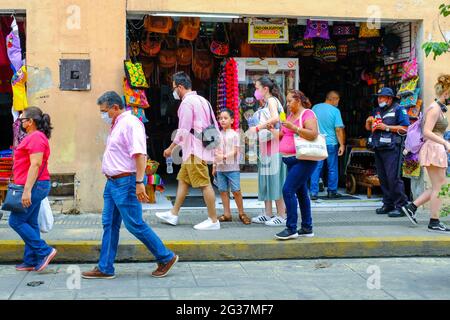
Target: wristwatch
(139,182)
(387,129)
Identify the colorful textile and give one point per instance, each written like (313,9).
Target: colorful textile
(13,47)
(157,181)
(20,101)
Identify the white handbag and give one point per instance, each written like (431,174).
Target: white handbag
(315,150)
(45,218)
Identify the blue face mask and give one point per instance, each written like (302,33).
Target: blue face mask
(106,118)
(382,104)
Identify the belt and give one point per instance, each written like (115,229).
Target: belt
(122,175)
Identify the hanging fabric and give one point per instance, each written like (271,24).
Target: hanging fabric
(18,83)
(13,47)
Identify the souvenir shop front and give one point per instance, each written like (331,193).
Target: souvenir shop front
(225,55)
(12,89)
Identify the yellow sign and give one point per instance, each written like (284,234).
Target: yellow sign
(268,32)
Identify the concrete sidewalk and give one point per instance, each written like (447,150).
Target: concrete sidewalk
(338,234)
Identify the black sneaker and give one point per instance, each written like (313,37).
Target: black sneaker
(439,228)
(286,234)
(314,197)
(303,232)
(384,210)
(410,212)
(334,195)
(397,213)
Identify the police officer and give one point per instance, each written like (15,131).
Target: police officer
(387,122)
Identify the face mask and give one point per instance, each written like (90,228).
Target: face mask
(258,95)
(383,104)
(176,95)
(106,118)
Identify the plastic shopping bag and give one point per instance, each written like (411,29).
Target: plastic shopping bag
(45,218)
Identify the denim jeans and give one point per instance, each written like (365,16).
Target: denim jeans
(333,174)
(27,226)
(120,202)
(296,189)
(229,180)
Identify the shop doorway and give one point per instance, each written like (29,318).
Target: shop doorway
(7,134)
(347,62)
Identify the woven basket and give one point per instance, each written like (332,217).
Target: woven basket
(152,167)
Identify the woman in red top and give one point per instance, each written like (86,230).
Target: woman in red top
(30,170)
(295,189)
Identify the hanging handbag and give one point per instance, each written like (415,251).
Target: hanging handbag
(410,67)
(317,29)
(329,51)
(148,65)
(315,150)
(220,46)
(135,75)
(344,29)
(184,55)
(408,87)
(13,200)
(342,49)
(134,97)
(202,64)
(150,47)
(410,100)
(158,24)
(307,49)
(188,28)
(366,32)
(167,57)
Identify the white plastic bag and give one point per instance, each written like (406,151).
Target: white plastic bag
(45,218)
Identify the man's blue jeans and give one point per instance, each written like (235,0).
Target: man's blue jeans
(120,202)
(333,174)
(27,226)
(296,189)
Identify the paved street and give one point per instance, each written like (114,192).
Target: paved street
(386,278)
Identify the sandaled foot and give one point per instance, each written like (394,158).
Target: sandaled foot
(225,219)
(245,219)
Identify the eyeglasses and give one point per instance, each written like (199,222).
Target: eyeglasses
(22,119)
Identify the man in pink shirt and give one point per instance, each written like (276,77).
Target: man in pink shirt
(195,114)
(124,163)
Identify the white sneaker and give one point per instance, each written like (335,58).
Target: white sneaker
(262,218)
(168,217)
(276,222)
(208,225)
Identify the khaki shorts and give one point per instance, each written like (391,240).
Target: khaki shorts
(194,171)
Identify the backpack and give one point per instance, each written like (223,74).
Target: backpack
(414,137)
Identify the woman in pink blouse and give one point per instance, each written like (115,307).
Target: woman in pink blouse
(299,171)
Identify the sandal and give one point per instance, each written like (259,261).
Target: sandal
(245,219)
(225,219)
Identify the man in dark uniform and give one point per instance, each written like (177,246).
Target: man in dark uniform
(387,122)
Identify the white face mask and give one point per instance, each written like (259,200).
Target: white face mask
(106,118)
(176,95)
(383,104)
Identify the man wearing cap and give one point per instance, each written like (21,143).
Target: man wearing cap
(387,123)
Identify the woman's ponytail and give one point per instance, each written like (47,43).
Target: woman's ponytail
(42,120)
